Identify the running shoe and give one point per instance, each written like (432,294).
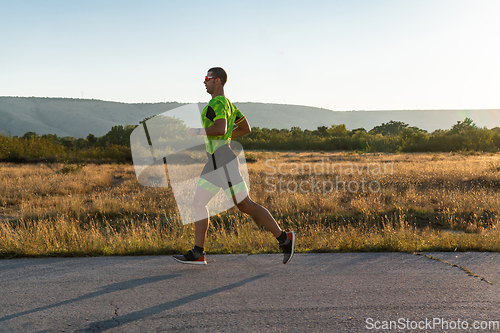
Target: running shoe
(288,246)
(191,257)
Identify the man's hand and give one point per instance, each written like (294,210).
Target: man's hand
(218,128)
(192,131)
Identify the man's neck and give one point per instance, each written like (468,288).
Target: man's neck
(218,92)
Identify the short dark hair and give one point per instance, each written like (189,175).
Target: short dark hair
(219,73)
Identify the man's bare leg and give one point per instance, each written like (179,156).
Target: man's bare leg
(200,232)
(197,254)
(259,214)
(200,201)
(262,216)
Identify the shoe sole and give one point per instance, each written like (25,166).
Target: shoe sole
(194,262)
(293,247)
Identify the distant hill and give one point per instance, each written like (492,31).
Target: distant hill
(80,117)
(71,117)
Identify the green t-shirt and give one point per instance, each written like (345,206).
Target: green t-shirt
(220,108)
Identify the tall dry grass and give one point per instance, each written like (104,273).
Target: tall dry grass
(103,210)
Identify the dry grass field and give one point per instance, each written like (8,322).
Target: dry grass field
(335,202)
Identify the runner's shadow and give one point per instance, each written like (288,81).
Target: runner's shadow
(141,314)
(104,290)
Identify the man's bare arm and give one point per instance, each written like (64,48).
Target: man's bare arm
(218,128)
(242,129)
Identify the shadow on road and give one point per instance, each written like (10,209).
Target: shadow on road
(105,290)
(138,315)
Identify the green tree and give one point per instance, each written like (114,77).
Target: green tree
(496,140)
(390,128)
(466,125)
(91,139)
(30,135)
(118,135)
(338,131)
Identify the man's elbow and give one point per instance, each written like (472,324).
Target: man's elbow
(222,131)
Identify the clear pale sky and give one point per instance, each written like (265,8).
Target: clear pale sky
(339,55)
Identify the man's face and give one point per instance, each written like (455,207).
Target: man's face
(210,82)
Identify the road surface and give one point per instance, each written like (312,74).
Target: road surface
(331,292)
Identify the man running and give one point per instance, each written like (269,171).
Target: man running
(221,171)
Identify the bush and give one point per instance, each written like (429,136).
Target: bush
(389,137)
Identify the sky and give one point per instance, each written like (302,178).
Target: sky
(337,55)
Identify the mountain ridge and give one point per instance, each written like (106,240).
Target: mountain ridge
(80,117)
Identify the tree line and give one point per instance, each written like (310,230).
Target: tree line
(394,136)
(114,146)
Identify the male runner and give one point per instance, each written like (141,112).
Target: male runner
(221,170)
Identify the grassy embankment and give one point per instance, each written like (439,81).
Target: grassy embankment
(417,202)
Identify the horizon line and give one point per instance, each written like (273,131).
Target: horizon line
(270,103)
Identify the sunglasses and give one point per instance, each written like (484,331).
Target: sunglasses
(207,78)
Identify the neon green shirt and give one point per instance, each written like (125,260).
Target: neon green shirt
(220,107)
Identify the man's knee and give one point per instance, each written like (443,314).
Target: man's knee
(199,204)
(246,206)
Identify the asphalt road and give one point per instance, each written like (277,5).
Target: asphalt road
(349,292)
